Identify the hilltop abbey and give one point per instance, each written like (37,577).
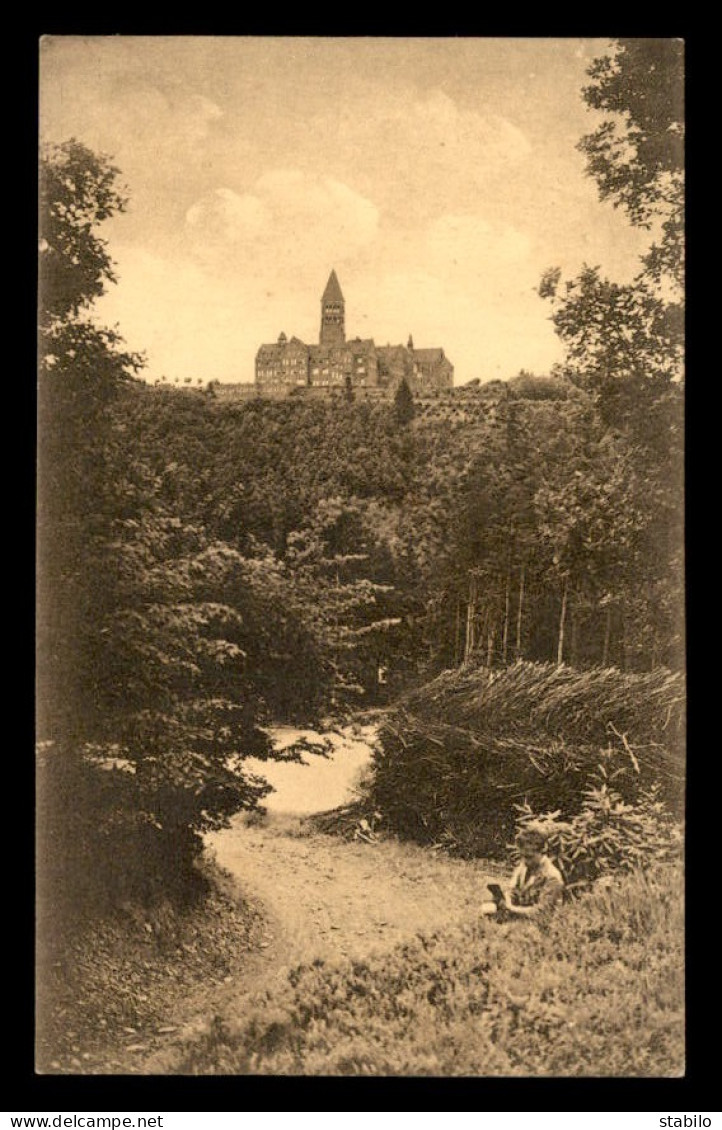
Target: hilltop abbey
(337,363)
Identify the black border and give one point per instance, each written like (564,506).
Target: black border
(26,1091)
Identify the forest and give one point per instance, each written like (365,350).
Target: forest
(270,560)
(206,569)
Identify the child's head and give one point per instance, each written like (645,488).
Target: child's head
(531,843)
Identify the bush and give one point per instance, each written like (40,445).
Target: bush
(529,387)
(608,835)
(100,843)
(546,699)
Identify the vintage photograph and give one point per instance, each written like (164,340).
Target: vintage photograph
(360,729)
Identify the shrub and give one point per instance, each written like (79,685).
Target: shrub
(106,834)
(608,835)
(547,699)
(529,387)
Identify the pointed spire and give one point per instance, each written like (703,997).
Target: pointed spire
(332,293)
(333,314)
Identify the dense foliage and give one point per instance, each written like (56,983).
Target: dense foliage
(607,835)
(522,531)
(636,155)
(144,689)
(205,566)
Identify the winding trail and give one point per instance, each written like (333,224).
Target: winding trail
(333,899)
(322,897)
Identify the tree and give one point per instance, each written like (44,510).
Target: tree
(342,578)
(171,688)
(78,192)
(625,342)
(637,155)
(404,408)
(82,369)
(348,393)
(142,661)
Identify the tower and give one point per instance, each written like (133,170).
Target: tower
(333,331)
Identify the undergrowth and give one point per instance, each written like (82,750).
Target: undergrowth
(599,992)
(110,984)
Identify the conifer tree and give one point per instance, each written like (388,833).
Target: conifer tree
(404,407)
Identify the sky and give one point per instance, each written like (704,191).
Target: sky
(438,177)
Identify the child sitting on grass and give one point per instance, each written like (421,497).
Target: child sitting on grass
(535,887)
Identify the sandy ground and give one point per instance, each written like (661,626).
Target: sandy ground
(331,899)
(320,782)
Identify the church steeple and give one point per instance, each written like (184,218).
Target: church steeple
(333,329)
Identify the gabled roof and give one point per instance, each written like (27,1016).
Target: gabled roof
(339,351)
(428,354)
(332,293)
(393,350)
(282,348)
(269,351)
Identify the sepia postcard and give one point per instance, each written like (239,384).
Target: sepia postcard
(360,600)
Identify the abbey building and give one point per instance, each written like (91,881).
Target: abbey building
(337,362)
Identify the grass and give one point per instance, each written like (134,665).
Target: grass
(599,992)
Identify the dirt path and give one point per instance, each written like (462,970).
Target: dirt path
(325,898)
(333,899)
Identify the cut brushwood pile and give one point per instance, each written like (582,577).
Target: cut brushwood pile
(348,822)
(458,756)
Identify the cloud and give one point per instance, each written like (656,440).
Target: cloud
(436,120)
(224,216)
(291,218)
(162,117)
(162,125)
(427,149)
(418,127)
(148,128)
(470,243)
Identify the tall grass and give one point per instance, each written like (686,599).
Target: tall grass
(458,756)
(598,992)
(546,698)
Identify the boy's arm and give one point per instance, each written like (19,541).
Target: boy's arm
(549,896)
(552,893)
(515,875)
(521,911)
